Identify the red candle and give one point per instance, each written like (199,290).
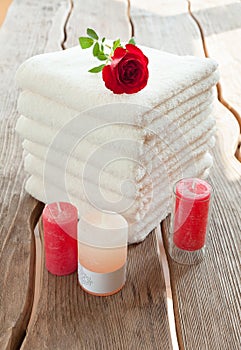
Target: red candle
(191,213)
(60,238)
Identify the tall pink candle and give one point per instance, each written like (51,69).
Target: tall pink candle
(191,213)
(60,238)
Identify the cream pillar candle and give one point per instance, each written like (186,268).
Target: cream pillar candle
(102,252)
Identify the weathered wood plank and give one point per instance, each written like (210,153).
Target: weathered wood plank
(207,296)
(65,316)
(221,26)
(109,19)
(166,26)
(24,33)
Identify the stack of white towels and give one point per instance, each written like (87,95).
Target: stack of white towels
(115,152)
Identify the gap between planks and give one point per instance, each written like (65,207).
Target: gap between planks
(37,254)
(19,331)
(38,273)
(129,18)
(71,7)
(176,339)
(219,86)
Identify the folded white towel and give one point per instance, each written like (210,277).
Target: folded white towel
(38,133)
(56,115)
(76,167)
(123,164)
(82,188)
(169,126)
(174,162)
(117,187)
(144,220)
(109,132)
(63,77)
(138,230)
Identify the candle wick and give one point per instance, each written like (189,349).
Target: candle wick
(59,208)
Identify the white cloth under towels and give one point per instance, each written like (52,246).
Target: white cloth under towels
(117,152)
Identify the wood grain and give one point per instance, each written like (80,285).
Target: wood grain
(108,18)
(24,33)
(166,26)
(221,26)
(135,318)
(207,296)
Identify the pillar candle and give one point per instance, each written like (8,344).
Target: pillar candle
(60,238)
(192,202)
(102,252)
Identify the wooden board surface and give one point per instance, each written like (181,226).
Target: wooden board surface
(63,316)
(221,25)
(207,296)
(54,311)
(164,25)
(100,15)
(25,32)
(135,318)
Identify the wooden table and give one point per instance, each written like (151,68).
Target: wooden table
(41,311)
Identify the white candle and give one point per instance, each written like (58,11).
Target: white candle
(102,252)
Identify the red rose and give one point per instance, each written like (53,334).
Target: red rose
(127,72)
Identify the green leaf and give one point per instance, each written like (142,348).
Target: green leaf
(103,39)
(85,43)
(132,41)
(97,69)
(102,56)
(102,47)
(116,44)
(92,33)
(96,49)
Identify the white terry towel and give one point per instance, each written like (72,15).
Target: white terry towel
(175,162)
(115,188)
(146,216)
(113,185)
(76,166)
(138,230)
(142,137)
(56,115)
(108,132)
(63,77)
(173,82)
(165,148)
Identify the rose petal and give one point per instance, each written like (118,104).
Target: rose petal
(130,70)
(135,50)
(110,80)
(138,85)
(119,53)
